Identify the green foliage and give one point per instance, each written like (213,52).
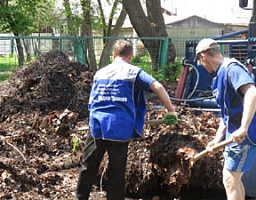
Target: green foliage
(100,20)
(72,16)
(23,17)
(141,59)
(167,73)
(75,144)
(172,71)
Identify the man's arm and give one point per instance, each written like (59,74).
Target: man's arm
(159,89)
(249,109)
(220,135)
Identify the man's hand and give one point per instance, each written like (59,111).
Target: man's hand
(239,135)
(171,118)
(210,149)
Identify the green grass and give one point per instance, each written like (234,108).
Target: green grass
(4,76)
(7,65)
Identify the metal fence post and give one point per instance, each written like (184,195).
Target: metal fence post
(163,52)
(80,51)
(12,46)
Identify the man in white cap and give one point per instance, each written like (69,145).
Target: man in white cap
(235,93)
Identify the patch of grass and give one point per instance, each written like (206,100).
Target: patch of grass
(7,65)
(4,76)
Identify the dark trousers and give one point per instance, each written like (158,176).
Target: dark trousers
(93,153)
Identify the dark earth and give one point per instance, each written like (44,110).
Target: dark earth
(39,157)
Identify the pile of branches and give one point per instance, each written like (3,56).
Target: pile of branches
(39,157)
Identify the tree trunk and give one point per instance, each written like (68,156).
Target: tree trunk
(19,49)
(27,50)
(87,31)
(150,25)
(69,16)
(104,59)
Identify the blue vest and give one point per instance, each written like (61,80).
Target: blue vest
(230,102)
(117,107)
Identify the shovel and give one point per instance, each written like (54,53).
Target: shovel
(206,151)
(169,119)
(155,121)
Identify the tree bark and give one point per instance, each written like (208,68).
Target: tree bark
(20,50)
(87,31)
(104,59)
(150,25)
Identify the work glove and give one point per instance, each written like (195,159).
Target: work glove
(171,118)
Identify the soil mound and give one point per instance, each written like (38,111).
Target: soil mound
(39,157)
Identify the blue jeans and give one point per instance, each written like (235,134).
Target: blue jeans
(93,153)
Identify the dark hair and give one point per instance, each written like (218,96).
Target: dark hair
(123,48)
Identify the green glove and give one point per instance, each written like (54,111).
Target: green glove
(171,118)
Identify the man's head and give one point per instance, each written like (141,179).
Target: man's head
(209,54)
(123,48)
(206,44)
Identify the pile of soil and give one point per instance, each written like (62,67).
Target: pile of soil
(39,157)
(36,103)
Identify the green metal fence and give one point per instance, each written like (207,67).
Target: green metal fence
(74,47)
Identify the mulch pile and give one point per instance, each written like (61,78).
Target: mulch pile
(39,157)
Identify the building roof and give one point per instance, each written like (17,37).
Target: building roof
(194,22)
(198,22)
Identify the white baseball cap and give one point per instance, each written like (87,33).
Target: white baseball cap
(205,44)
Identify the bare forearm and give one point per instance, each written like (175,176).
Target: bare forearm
(220,134)
(163,95)
(249,107)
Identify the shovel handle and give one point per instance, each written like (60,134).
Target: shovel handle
(169,119)
(214,148)
(83,128)
(156,121)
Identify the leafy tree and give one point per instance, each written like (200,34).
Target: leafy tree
(73,17)
(22,17)
(149,23)
(94,17)
(111,29)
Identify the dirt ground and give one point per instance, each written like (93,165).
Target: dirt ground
(39,157)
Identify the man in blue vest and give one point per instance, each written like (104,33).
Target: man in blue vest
(235,93)
(117,110)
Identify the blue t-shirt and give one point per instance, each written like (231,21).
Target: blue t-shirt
(143,80)
(230,77)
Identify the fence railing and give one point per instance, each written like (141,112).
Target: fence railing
(76,48)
